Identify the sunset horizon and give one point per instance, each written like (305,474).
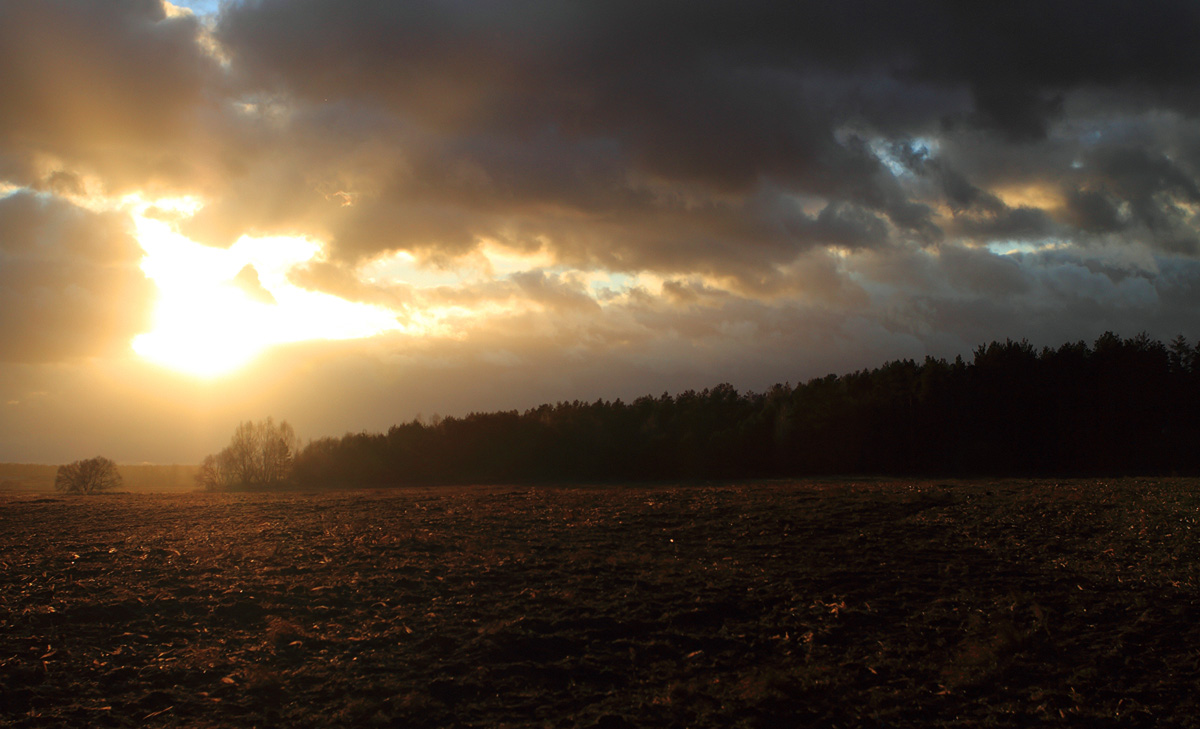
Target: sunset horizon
(599,364)
(349,216)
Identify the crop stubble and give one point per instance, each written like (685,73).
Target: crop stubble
(855,603)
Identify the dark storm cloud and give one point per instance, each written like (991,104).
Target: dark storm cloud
(961,195)
(982,272)
(646,68)
(487,117)
(69,281)
(845,225)
(1022,223)
(110,87)
(1018,58)
(1152,186)
(1094,210)
(598,126)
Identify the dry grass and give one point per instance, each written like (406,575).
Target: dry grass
(864,603)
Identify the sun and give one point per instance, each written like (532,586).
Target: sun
(218,309)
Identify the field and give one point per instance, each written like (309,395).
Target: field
(137,477)
(849,603)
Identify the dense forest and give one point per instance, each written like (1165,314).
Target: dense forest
(1117,406)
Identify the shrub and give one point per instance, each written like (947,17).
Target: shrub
(88,476)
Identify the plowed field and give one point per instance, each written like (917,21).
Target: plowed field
(854,603)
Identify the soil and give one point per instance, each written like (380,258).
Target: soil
(851,603)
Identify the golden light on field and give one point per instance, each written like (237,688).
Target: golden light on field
(219,308)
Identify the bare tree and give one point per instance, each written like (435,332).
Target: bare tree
(215,473)
(259,455)
(87,476)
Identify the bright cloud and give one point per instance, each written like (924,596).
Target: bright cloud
(205,323)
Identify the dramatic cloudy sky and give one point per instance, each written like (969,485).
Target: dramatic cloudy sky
(346,214)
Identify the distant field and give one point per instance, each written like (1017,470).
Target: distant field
(854,603)
(138,478)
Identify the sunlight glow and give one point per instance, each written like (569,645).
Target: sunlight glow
(403,267)
(500,260)
(453,321)
(207,323)
(1040,196)
(218,309)
(489,261)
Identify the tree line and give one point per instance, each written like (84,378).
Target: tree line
(1118,406)
(1115,406)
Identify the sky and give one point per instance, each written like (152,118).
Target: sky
(347,215)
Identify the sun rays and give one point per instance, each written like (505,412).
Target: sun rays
(211,318)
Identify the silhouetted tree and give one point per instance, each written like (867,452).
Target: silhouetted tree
(259,455)
(87,476)
(215,472)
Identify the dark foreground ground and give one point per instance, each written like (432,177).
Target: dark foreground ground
(812,604)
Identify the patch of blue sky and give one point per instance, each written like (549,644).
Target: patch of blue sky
(1013,247)
(885,151)
(612,283)
(923,146)
(199,7)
